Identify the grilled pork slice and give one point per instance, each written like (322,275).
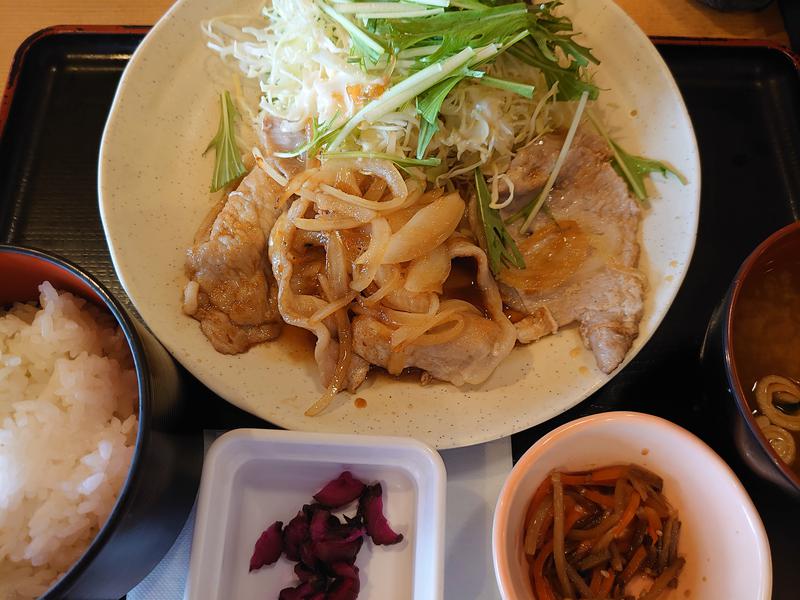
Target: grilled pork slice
(581,254)
(298,257)
(486,339)
(231,290)
(532,165)
(469,358)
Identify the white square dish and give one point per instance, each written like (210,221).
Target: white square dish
(254,477)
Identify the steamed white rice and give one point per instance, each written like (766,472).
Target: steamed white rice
(68,426)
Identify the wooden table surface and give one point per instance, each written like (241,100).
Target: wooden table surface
(20,18)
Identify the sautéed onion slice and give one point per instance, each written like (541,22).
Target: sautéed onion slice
(772,388)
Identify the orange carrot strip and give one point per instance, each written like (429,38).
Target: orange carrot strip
(606,584)
(597,579)
(628,514)
(543,589)
(609,474)
(545,489)
(603,500)
(575,479)
(653,523)
(540,584)
(603,476)
(634,564)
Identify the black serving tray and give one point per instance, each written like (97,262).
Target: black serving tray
(744,100)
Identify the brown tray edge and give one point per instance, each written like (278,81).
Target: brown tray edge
(729,43)
(19,56)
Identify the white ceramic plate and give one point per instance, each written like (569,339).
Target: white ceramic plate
(726,548)
(153,185)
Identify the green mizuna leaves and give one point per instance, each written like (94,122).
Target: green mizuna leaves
(429,103)
(501,249)
(430,42)
(321,133)
(633,169)
(228,164)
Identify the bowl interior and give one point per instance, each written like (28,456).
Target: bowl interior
(22,270)
(746,330)
(722,537)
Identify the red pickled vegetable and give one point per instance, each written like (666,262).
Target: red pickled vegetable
(327,527)
(307,555)
(325,547)
(294,534)
(346,583)
(321,524)
(342,490)
(345,570)
(351,533)
(330,551)
(333,541)
(303,573)
(268,548)
(343,588)
(370,506)
(304,591)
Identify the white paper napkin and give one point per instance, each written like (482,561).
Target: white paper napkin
(474,478)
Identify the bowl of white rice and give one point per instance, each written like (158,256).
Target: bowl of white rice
(100,454)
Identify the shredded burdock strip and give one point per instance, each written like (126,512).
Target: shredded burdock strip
(581,541)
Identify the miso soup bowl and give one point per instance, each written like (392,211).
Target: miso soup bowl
(719,359)
(165,470)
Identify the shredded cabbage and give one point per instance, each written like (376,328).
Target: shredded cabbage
(303,64)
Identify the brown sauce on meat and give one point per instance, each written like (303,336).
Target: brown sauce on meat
(297,344)
(411,375)
(512,314)
(552,255)
(462,284)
